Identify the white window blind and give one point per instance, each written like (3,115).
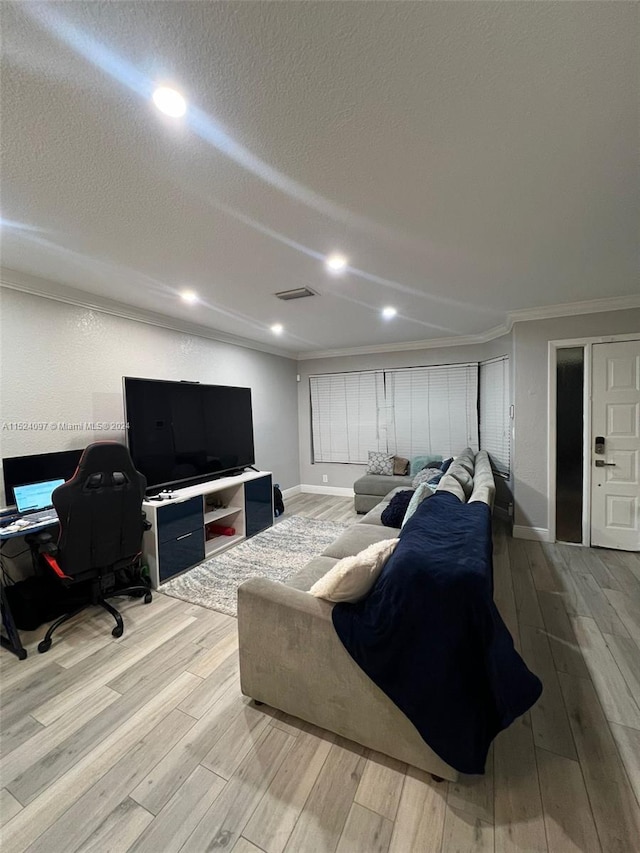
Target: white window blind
(432,409)
(495,420)
(345,418)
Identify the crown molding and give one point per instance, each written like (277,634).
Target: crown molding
(522,315)
(15,280)
(403,346)
(25,283)
(566,309)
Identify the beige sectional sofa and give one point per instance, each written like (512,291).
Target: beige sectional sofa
(291,657)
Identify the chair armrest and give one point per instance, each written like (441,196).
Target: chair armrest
(43,542)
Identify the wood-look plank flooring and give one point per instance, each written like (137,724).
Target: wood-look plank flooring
(145,743)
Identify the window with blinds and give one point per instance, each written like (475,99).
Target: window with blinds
(495,420)
(432,409)
(407,412)
(345,416)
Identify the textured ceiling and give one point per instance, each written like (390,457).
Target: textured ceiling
(470,159)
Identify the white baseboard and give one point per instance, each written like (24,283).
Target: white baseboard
(327,490)
(289,493)
(536,534)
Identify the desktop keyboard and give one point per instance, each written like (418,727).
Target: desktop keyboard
(25,523)
(40,517)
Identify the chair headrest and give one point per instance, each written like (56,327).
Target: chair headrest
(105,463)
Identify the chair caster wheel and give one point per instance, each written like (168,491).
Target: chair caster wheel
(43,647)
(148,598)
(118,631)
(22,654)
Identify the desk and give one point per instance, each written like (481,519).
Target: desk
(12,640)
(9,533)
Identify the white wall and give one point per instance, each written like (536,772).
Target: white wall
(530,347)
(63,363)
(344,475)
(59,362)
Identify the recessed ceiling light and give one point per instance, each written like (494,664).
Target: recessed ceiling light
(169,101)
(336,263)
(277,328)
(189,296)
(389,312)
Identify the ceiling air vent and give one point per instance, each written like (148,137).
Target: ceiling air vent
(298,293)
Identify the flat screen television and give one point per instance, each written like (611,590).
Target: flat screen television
(181,433)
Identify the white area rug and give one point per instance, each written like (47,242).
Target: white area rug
(277,554)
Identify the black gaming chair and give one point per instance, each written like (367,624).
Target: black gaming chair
(101,527)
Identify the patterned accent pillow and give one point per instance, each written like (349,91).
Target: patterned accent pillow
(424,476)
(380,463)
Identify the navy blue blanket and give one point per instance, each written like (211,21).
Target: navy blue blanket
(430,636)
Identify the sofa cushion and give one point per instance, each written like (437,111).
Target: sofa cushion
(459,478)
(467,459)
(377,484)
(450,484)
(312,572)
(484,487)
(374,514)
(357,538)
(352,578)
(393,515)
(380,463)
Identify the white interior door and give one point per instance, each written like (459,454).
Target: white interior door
(615,462)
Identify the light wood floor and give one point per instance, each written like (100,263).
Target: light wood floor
(145,743)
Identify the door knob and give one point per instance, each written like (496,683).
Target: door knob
(600,463)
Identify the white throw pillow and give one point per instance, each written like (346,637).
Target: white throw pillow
(352,577)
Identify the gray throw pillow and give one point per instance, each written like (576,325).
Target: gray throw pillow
(424,476)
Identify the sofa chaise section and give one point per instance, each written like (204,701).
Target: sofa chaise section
(371,489)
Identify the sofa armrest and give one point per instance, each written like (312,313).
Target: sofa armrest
(289,651)
(281,595)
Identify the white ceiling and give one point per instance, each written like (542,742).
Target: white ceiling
(471,159)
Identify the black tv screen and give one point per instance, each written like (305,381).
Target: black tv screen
(183,432)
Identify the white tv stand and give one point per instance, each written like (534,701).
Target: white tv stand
(183,525)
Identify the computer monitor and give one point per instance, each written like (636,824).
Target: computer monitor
(35,496)
(37,468)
